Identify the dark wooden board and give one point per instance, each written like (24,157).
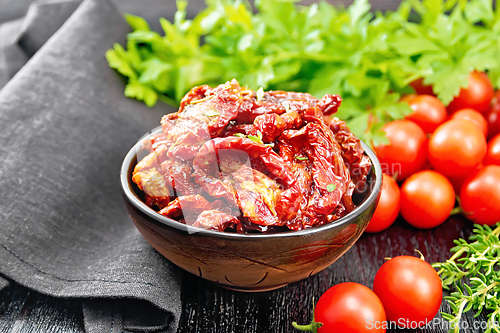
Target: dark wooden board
(209,308)
(22,310)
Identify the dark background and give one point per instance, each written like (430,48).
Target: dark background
(153,9)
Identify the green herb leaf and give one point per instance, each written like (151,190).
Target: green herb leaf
(212,113)
(330,187)
(259,94)
(285,46)
(300,158)
(473,272)
(255,139)
(141,92)
(137,23)
(120,60)
(240,135)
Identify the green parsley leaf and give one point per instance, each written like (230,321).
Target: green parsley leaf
(286,46)
(141,92)
(330,187)
(120,60)
(137,23)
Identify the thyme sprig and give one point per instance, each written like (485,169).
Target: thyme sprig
(473,272)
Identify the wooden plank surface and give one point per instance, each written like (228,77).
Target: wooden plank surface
(22,310)
(209,308)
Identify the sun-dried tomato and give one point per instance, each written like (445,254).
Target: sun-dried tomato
(232,159)
(215,220)
(352,152)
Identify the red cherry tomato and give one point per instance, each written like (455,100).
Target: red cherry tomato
(493,117)
(406,152)
(428,111)
(457,182)
(388,206)
(427,199)
(480,196)
(410,290)
(477,95)
(493,153)
(456,147)
(421,88)
(474,117)
(350,308)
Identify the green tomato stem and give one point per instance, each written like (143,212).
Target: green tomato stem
(456,210)
(312,327)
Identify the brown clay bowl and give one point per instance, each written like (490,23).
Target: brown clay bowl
(255,262)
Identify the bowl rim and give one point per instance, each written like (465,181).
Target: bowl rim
(139,204)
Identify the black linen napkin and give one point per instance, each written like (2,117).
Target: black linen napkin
(12,57)
(64,130)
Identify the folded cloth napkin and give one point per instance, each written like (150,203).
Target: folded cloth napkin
(65,128)
(12,57)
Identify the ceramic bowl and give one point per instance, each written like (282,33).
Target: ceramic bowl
(254,262)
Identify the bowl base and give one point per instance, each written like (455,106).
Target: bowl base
(249,290)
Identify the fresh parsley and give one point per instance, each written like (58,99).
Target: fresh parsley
(444,48)
(367,58)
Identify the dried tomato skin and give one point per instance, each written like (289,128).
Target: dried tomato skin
(253,149)
(290,151)
(292,120)
(329,104)
(272,102)
(225,103)
(270,125)
(239,129)
(215,220)
(352,152)
(254,208)
(230,160)
(329,172)
(249,109)
(151,181)
(179,175)
(186,205)
(196,93)
(207,157)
